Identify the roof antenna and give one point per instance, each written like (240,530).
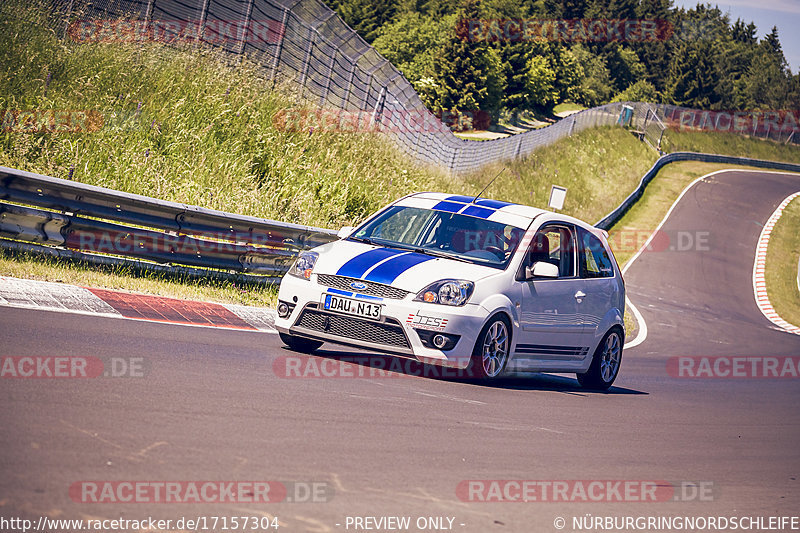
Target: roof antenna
(487,186)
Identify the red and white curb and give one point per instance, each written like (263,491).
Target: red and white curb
(759,283)
(64,298)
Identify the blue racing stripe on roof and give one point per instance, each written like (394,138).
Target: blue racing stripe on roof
(460,198)
(478,212)
(387,272)
(450,207)
(357,266)
(493,204)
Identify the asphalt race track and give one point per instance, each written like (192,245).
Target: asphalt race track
(210,407)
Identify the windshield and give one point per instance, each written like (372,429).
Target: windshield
(459,237)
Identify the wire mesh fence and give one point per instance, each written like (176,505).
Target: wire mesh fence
(304,43)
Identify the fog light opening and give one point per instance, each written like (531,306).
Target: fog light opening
(283,310)
(439,341)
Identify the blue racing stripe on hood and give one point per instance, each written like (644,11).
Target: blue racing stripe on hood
(356,266)
(389,271)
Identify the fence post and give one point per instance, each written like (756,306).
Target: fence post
(149,12)
(67,18)
(201,29)
(453,160)
(312,39)
(363,106)
(277,57)
(324,96)
(378,109)
(571,126)
(246,28)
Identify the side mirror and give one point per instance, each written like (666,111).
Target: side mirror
(345,232)
(540,269)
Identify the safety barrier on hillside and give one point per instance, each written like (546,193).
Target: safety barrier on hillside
(611,218)
(95,224)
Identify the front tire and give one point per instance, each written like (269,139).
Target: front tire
(299,344)
(605,363)
(490,355)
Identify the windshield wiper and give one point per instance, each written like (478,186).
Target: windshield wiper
(361,239)
(443,255)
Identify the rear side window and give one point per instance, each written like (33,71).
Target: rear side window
(594,260)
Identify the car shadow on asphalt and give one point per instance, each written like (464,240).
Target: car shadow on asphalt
(358,364)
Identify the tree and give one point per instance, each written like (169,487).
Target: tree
(692,77)
(595,85)
(470,74)
(366,17)
(641,91)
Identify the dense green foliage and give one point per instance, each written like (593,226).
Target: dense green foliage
(701,59)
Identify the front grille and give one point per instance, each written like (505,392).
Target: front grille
(389,333)
(373,289)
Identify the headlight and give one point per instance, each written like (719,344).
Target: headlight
(446,292)
(304,265)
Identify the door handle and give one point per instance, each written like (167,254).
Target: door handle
(580,295)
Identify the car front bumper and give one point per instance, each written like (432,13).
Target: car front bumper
(404,328)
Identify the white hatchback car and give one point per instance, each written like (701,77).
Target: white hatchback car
(494,287)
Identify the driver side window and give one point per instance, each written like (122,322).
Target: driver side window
(553,244)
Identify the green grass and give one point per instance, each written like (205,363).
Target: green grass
(729,144)
(783,253)
(567,106)
(21,265)
(599,168)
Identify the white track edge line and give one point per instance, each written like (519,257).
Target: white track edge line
(759,270)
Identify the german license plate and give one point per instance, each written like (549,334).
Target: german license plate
(350,306)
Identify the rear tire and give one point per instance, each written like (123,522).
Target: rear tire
(490,355)
(605,363)
(299,344)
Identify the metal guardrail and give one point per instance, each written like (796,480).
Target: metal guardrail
(611,218)
(94,222)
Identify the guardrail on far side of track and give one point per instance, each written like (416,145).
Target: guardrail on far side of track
(610,219)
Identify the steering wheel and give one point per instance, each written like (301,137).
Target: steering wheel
(496,251)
